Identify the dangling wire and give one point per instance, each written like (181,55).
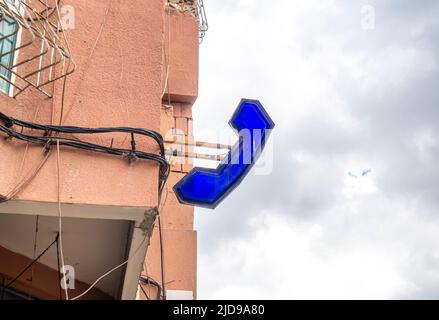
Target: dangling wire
(32,263)
(58,169)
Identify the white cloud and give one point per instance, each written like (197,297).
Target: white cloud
(284,261)
(343,100)
(365,247)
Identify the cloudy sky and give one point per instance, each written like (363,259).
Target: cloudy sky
(351,207)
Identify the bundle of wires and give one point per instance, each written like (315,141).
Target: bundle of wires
(45,138)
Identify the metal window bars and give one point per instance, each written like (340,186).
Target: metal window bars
(42,56)
(204,25)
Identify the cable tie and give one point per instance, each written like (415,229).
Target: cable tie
(130,156)
(133,142)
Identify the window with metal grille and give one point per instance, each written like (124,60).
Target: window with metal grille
(8,41)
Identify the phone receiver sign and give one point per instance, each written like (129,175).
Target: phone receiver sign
(203,187)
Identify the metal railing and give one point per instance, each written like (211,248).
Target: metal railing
(43,55)
(204,25)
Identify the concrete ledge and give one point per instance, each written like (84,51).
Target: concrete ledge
(84,211)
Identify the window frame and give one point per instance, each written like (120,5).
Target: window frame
(17,6)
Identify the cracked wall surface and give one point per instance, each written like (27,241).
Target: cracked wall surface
(184,6)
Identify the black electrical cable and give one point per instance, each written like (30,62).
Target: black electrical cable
(3,288)
(63,141)
(47,140)
(144,292)
(162,257)
(9,121)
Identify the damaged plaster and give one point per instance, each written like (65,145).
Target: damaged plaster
(147,225)
(184,6)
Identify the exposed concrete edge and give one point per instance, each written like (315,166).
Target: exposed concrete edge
(180,98)
(144,219)
(84,211)
(139,244)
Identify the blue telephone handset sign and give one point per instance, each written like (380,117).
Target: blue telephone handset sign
(207,188)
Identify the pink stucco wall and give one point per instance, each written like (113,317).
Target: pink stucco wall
(118,82)
(179,237)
